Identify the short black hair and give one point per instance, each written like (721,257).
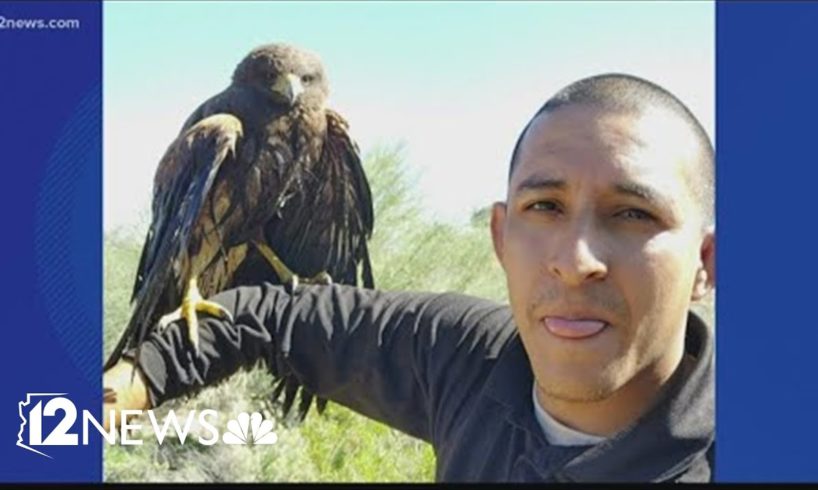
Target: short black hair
(618,92)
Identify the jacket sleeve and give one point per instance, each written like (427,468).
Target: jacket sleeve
(410,360)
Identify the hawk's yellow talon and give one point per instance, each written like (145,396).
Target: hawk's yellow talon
(287,276)
(213,309)
(192,304)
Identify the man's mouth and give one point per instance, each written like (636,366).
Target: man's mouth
(571,328)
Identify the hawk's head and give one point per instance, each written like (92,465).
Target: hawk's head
(285,73)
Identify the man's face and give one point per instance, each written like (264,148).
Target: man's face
(604,247)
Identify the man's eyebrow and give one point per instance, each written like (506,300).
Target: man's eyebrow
(642,192)
(537,182)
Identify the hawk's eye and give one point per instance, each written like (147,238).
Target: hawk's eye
(308,78)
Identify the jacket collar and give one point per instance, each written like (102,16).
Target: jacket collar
(662,443)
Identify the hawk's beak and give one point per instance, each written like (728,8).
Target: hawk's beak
(289,87)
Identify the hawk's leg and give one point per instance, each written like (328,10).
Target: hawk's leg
(192,303)
(322,277)
(284,273)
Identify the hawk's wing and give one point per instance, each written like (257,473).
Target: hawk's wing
(344,200)
(352,203)
(183,181)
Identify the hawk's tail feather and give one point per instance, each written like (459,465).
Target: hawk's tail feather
(320,405)
(304,406)
(290,387)
(369,281)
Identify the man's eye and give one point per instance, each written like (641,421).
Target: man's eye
(547,206)
(636,214)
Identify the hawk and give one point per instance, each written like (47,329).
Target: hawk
(263,183)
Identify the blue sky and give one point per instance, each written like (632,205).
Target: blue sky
(454,82)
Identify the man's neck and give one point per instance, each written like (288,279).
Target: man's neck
(610,415)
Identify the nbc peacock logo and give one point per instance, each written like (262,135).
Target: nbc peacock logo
(249,429)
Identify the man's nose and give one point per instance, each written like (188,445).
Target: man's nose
(576,259)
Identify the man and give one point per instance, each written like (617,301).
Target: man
(598,370)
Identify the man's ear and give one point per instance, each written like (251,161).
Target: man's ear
(498,219)
(706,275)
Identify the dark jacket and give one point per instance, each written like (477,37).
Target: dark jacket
(447,368)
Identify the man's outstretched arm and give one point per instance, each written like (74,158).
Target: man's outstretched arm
(395,357)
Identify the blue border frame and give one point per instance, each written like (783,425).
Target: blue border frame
(52,221)
(767,339)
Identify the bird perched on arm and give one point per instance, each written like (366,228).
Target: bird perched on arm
(263,183)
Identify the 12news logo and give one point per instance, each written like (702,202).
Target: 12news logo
(48,419)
